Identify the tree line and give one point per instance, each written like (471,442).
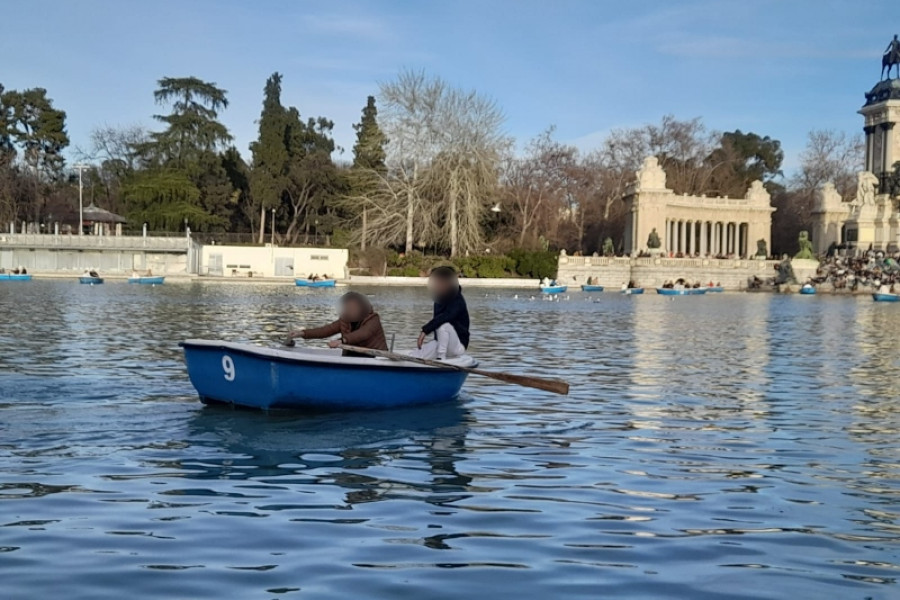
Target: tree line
(432,171)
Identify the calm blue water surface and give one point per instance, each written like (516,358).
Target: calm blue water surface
(730,446)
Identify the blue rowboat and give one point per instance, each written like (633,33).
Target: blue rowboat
(681,292)
(808,291)
(633,291)
(592,288)
(320,283)
(90,280)
(319,379)
(885,297)
(715,289)
(147,280)
(14,277)
(554,289)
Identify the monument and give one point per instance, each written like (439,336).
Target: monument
(870,219)
(692,225)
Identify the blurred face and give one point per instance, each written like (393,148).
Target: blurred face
(439,287)
(351,311)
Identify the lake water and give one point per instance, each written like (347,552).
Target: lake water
(739,446)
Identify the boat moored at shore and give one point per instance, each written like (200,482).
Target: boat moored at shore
(15,277)
(148,280)
(885,297)
(315,283)
(681,291)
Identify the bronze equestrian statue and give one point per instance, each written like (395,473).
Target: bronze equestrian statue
(891,58)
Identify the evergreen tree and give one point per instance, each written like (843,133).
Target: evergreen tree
(369,156)
(368,151)
(183,175)
(37,128)
(268,178)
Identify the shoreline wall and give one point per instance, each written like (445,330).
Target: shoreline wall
(654,271)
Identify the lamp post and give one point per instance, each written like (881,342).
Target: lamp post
(273,227)
(81,169)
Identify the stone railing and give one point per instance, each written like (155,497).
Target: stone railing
(93,242)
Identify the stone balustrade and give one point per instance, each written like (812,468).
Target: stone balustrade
(93,242)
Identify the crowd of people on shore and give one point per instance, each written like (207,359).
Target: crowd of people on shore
(873,270)
(16,271)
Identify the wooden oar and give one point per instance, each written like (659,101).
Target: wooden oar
(548,385)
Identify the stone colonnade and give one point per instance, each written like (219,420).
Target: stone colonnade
(707,238)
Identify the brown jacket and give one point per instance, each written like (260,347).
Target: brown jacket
(369,334)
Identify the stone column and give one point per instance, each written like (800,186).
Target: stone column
(888,147)
(681,232)
(714,233)
(870,147)
(703,250)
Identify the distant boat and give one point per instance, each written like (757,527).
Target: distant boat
(317,283)
(88,280)
(808,290)
(147,280)
(633,291)
(318,379)
(715,289)
(885,297)
(14,277)
(592,288)
(554,289)
(681,292)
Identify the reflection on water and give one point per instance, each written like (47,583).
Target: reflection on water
(740,446)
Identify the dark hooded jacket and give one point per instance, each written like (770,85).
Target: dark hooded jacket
(451,309)
(367,333)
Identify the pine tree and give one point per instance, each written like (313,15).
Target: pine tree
(368,159)
(368,151)
(268,178)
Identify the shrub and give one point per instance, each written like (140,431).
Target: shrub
(534,263)
(407,271)
(494,266)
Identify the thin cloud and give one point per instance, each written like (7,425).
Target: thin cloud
(734,47)
(355,27)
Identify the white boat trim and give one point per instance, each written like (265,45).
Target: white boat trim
(323,355)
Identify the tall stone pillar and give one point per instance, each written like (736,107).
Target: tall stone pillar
(870,145)
(681,233)
(703,247)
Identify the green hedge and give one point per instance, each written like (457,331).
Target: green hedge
(536,264)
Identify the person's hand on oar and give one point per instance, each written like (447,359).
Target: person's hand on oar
(293,335)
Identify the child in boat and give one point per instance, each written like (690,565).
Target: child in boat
(358,325)
(450,324)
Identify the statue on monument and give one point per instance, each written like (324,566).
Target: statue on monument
(762,249)
(891,58)
(865,188)
(806,247)
(785,271)
(653,241)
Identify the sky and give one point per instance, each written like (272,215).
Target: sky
(775,67)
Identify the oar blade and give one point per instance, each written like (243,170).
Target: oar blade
(555,386)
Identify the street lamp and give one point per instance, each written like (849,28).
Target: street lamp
(273,227)
(81,168)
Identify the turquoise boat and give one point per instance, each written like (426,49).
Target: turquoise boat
(715,289)
(592,288)
(681,292)
(14,277)
(149,280)
(87,280)
(553,289)
(808,290)
(885,297)
(317,283)
(633,291)
(314,379)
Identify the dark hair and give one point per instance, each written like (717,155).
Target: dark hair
(443,272)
